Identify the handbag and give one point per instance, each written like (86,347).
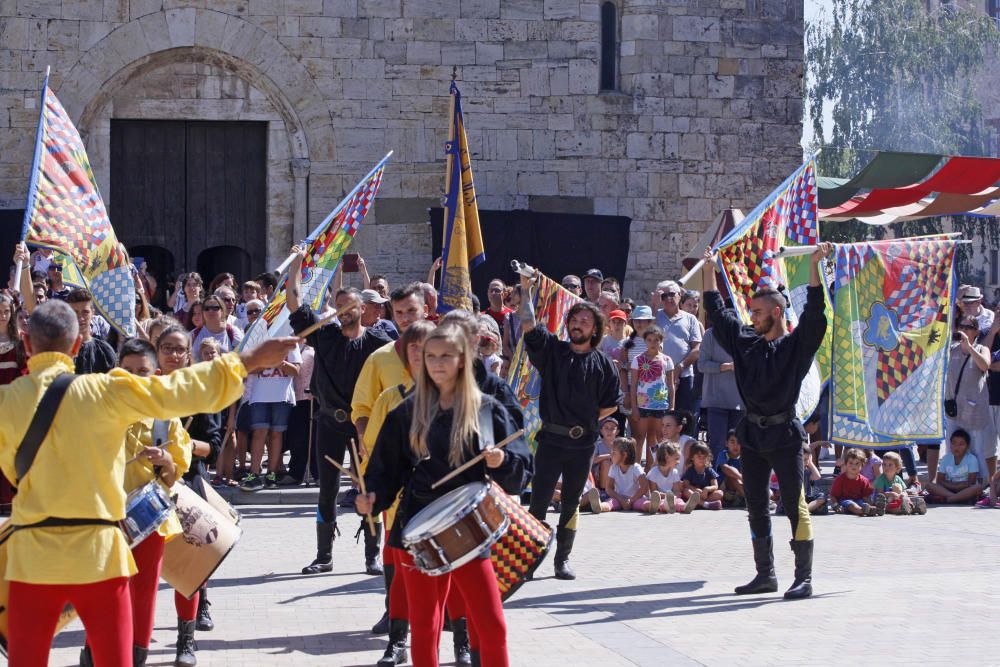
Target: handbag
(951,404)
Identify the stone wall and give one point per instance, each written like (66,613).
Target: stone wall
(707,114)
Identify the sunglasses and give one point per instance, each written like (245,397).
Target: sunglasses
(571,286)
(253,311)
(211,308)
(668,295)
(228,299)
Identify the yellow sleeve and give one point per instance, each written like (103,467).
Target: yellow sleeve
(204,387)
(367,388)
(179,447)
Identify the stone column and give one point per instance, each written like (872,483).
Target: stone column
(300,206)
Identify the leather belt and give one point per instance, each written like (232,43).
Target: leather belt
(338,415)
(761,421)
(574,432)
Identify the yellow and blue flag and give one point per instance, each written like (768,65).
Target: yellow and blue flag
(463,239)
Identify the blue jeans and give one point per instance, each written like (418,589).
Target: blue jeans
(720,420)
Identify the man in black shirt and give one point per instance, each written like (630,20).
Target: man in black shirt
(579,388)
(770,364)
(95,355)
(341,351)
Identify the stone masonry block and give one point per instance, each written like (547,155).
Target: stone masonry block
(696,29)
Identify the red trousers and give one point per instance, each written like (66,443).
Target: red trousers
(426,597)
(148,556)
(103,606)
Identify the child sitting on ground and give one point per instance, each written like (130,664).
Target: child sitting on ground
(873,465)
(601,463)
(890,484)
(701,482)
(851,491)
(627,486)
(815,501)
(674,424)
(991,497)
(730,469)
(664,480)
(957,473)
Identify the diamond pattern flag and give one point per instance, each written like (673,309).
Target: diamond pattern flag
(64,211)
(788,217)
(892,309)
(324,249)
(551,302)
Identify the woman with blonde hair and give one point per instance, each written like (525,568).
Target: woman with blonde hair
(428,435)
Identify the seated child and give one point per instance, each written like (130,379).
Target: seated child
(957,473)
(700,481)
(627,486)
(674,423)
(815,502)
(873,465)
(890,484)
(664,480)
(601,463)
(991,499)
(851,491)
(730,469)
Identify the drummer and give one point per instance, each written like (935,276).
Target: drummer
(162,452)
(79,556)
(429,434)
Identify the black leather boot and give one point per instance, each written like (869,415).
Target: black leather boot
(204,618)
(802,586)
(395,652)
(86,657)
(373,543)
(139,655)
(382,627)
(324,549)
(763,557)
(185,644)
(564,545)
(460,638)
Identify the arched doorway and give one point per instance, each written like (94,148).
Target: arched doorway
(159,264)
(225,258)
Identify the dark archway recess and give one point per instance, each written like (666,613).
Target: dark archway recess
(556,243)
(222,259)
(188,186)
(161,265)
(11,223)
(609,46)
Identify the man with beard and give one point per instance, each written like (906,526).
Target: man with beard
(341,351)
(579,388)
(770,364)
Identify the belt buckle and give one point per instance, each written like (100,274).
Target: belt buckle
(576,432)
(760,421)
(340,415)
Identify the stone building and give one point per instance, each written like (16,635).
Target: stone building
(230,117)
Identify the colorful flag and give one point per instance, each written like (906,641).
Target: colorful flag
(324,249)
(551,302)
(463,239)
(891,332)
(788,217)
(64,211)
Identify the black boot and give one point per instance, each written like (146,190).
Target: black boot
(395,652)
(324,549)
(373,560)
(382,627)
(460,638)
(86,657)
(139,655)
(475,658)
(763,557)
(564,545)
(205,622)
(802,586)
(185,644)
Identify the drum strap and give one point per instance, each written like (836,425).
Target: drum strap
(40,424)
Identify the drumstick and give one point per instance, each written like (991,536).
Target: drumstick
(341,468)
(356,460)
(139,455)
(326,320)
(477,458)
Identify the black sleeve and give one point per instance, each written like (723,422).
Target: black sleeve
(517,460)
(725,322)
(611,390)
(303,318)
(812,322)
(208,427)
(539,342)
(105,358)
(505,396)
(389,464)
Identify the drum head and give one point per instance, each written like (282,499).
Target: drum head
(445,510)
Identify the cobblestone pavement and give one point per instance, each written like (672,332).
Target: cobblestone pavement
(652,590)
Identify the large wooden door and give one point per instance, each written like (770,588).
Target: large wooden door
(191,188)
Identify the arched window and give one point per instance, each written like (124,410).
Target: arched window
(609,46)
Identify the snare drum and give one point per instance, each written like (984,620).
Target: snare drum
(454,529)
(145,510)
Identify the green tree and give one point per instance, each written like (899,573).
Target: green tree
(898,78)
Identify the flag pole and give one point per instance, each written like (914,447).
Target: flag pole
(29,203)
(288,260)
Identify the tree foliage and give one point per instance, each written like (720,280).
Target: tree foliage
(898,77)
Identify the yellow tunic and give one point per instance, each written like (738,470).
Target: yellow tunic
(140,472)
(382,369)
(79,471)
(384,404)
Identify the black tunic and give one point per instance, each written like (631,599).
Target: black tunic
(394,466)
(769,373)
(575,387)
(493,385)
(338,361)
(95,356)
